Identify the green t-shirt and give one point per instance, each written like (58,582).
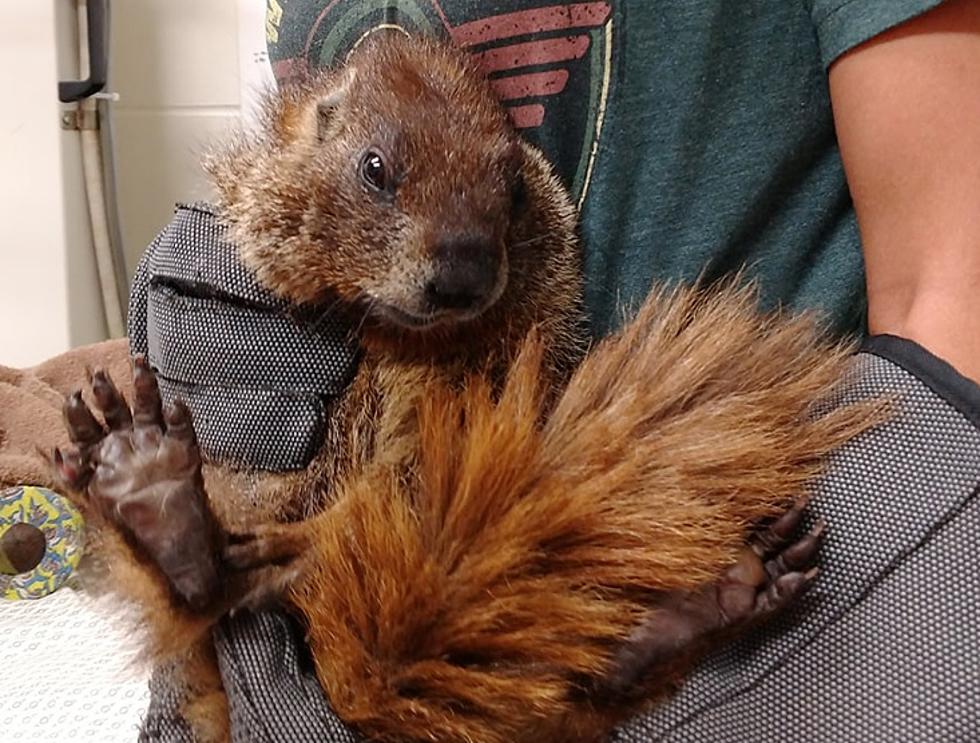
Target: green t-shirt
(696,135)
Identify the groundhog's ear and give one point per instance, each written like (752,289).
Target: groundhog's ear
(328,105)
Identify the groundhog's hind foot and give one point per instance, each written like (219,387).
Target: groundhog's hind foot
(770,575)
(142,472)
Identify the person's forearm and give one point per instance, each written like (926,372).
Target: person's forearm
(907,108)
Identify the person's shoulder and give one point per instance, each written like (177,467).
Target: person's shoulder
(842,25)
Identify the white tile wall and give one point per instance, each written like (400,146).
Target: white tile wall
(175,53)
(175,65)
(48,287)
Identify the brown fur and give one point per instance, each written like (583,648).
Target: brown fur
(310,235)
(477,545)
(468,604)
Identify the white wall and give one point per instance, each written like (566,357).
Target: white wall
(178,67)
(48,286)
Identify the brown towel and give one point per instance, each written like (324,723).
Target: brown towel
(30,406)
(30,419)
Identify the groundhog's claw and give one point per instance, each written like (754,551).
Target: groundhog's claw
(779,534)
(772,572)
(265,587)
(111,403)
(270,544)
(147,405)
(266,561)
(73,466)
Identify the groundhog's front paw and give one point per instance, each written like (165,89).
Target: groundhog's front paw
(142,471)
(770,575)
(270,558)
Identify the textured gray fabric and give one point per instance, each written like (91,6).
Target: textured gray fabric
(272,689)
(163,722)
(273,692)
(887,645)
(244,361)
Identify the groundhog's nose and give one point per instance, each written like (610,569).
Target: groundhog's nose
(467,268)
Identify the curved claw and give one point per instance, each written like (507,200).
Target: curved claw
(799,555)
(147,405)
(180,424)
(779,533)
(84,429)
(268,586)
(783,591)
(273,544)
(110,402)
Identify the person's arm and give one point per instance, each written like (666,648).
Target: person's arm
(907,111)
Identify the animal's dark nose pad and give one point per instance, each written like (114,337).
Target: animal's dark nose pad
(446,293)
(466,273)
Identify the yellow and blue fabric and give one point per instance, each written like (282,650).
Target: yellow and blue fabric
(63,529)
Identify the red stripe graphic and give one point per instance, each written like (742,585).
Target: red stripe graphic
(533,53)
(526,117)
(530,84)
(550,18)
(578,16)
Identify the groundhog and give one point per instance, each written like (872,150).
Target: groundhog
(508,536)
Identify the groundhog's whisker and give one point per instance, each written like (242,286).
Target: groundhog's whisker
(530,241)
(328,310)
(368,310)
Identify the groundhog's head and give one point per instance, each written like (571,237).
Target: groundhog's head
(393,184)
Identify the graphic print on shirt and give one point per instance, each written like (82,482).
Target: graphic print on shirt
(549,62)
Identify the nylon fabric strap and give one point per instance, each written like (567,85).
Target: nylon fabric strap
(884,648)
(257,374)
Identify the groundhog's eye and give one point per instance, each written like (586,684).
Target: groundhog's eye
(373,171)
